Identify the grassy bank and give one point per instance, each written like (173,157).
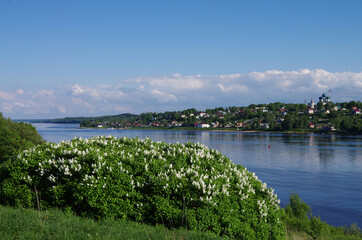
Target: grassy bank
(55,224)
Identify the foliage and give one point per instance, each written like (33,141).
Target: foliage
(178,185)
(298,218)
(16,136)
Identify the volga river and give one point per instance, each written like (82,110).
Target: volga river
(325,170)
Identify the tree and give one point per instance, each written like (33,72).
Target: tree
(351,104)
(298,210)
(320,106)
(347,123)
(329,106)
(15,137)
(302,107)
(252,106)
(287,124)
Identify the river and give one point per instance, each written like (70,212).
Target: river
(325,170)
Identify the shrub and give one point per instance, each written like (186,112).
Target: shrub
(298,217)
(16,136)
(297,214)
(178,185)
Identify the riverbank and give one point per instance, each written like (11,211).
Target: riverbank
(296,131)
(20,223)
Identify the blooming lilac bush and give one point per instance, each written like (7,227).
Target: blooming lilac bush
(178,185)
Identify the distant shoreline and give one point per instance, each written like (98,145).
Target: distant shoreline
(225,130)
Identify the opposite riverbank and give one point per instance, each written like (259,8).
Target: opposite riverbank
(295,131)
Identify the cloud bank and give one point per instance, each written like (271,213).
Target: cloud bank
(177,92)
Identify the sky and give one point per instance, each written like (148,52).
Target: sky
(89,58)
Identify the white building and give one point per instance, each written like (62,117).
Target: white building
(203,125)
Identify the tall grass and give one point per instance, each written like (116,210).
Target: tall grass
(55,224)
(23,223)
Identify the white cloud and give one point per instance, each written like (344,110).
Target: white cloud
(7,95)
(174,82)
(62,110)
(18,104)
(43,93)
(77,90)
(7,108)
(177,92)
(162,96)
(233,87)
(80,102)
(101,92)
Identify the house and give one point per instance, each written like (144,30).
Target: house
(311,125)
(176,124)
(239,124)
(309,111)
(100,125)
(327,128)
(202,125)
(202,114)
(356,111)
(283,111)
(215,124)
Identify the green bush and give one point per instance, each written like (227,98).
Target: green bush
(298,217)
(353,230)
(16,136)
(177,185)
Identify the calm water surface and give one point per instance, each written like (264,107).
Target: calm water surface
(325,170)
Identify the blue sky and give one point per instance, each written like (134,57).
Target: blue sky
(89,58)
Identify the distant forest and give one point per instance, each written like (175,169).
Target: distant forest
(119,117)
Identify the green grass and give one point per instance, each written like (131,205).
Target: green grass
(54,224)
(336,234)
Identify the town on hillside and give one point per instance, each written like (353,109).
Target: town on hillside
(323,115)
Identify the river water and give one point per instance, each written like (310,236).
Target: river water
(325,170)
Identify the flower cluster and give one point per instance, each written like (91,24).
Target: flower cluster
(150,181)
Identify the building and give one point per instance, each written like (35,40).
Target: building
(324,99)
(312,104)
(202,114)
(356,111)
(202,125)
